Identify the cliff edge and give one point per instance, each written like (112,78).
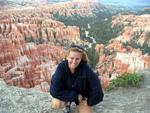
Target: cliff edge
(122,100)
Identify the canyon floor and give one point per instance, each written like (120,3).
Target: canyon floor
(122,100)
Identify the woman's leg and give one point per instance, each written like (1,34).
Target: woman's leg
(84,108)
(57,104)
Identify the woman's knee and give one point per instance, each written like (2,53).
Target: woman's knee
(57,104)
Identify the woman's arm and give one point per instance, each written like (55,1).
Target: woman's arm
(57,89)
(95,93)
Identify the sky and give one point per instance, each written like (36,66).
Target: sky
(118,2)
(127,2)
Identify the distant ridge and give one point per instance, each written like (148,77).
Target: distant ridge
(55,1)
(85,1)
(21,3)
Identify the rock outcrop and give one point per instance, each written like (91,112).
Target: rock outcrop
(135,28)
(31,46)
(32,41)
(81,8)
(120,56)
(37,30)
(123,100)
(28,65)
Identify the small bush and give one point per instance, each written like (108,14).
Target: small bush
(125,80)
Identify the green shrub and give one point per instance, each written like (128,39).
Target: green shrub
(125,80)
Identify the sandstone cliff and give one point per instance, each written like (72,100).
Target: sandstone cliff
(32,44)
(121,55)
(27,64)
(135,28)
(32,41)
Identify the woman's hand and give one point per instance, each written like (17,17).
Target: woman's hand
(82,100)
(83,106)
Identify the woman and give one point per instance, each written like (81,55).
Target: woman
(75,81)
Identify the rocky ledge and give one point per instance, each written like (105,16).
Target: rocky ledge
(122,100)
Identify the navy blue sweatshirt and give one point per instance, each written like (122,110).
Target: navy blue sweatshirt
(67,86)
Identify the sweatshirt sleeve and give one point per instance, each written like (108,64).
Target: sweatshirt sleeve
(57,89)
(95,90)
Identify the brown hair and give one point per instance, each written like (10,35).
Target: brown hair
(80,50)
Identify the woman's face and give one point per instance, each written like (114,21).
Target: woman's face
(74,59)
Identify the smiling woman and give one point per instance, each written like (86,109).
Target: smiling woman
(74,59)
(75,81)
